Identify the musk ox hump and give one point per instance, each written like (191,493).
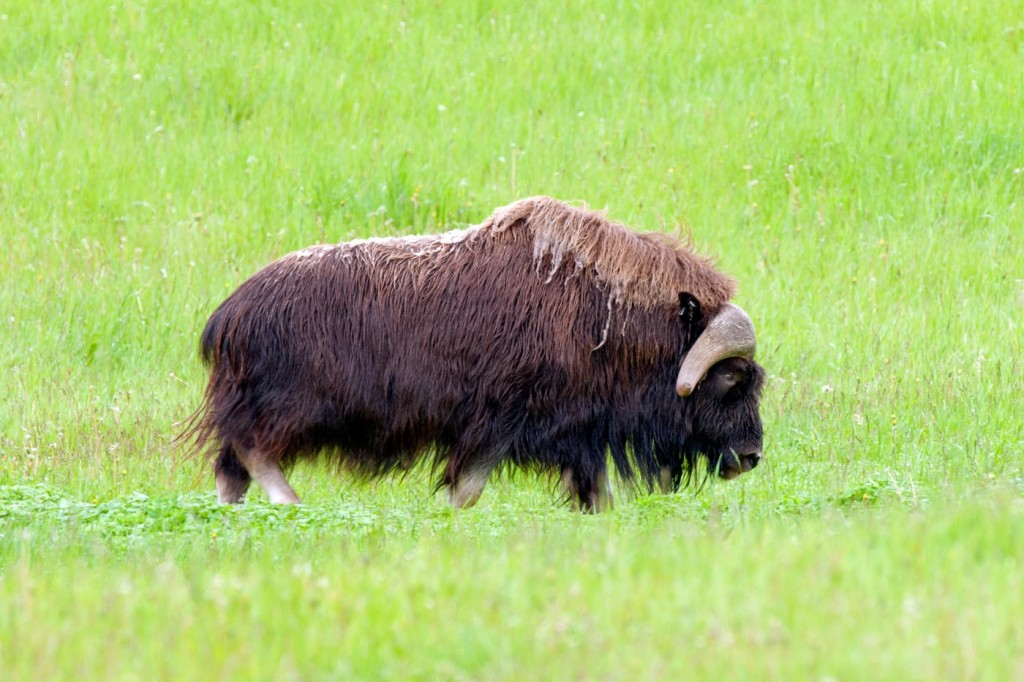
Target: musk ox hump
(648,270)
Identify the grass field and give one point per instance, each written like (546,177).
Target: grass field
(857,166)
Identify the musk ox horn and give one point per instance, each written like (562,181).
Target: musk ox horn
(730,334)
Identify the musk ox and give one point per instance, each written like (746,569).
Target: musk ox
(547,337)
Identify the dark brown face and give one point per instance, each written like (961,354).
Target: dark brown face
(726,426)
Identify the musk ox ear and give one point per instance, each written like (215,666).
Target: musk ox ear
(689,308)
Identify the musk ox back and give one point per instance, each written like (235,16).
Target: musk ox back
(547,337)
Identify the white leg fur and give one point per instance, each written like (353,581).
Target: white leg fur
(600,500)
(665,480)
(270,477)
(467,490)
(604,501)
(569,488)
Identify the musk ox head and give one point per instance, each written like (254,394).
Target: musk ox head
(723,385)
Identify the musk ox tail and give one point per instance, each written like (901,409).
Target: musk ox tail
(200,428)
(213,340)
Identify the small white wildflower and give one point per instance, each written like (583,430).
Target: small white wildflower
(441,107)
(137,77)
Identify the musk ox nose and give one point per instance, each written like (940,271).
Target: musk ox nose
(750,461)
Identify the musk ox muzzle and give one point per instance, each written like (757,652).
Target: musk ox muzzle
(546,338)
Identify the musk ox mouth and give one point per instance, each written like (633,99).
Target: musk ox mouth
(732,464)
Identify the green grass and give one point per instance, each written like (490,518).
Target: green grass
(857,166)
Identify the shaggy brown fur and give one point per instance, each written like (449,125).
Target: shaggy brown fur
(545,337)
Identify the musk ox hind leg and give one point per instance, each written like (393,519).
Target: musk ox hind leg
(232,478)
(267,472)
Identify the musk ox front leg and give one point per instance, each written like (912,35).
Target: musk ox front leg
(670,476)
(267,472)
(588,493)
(465,484)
